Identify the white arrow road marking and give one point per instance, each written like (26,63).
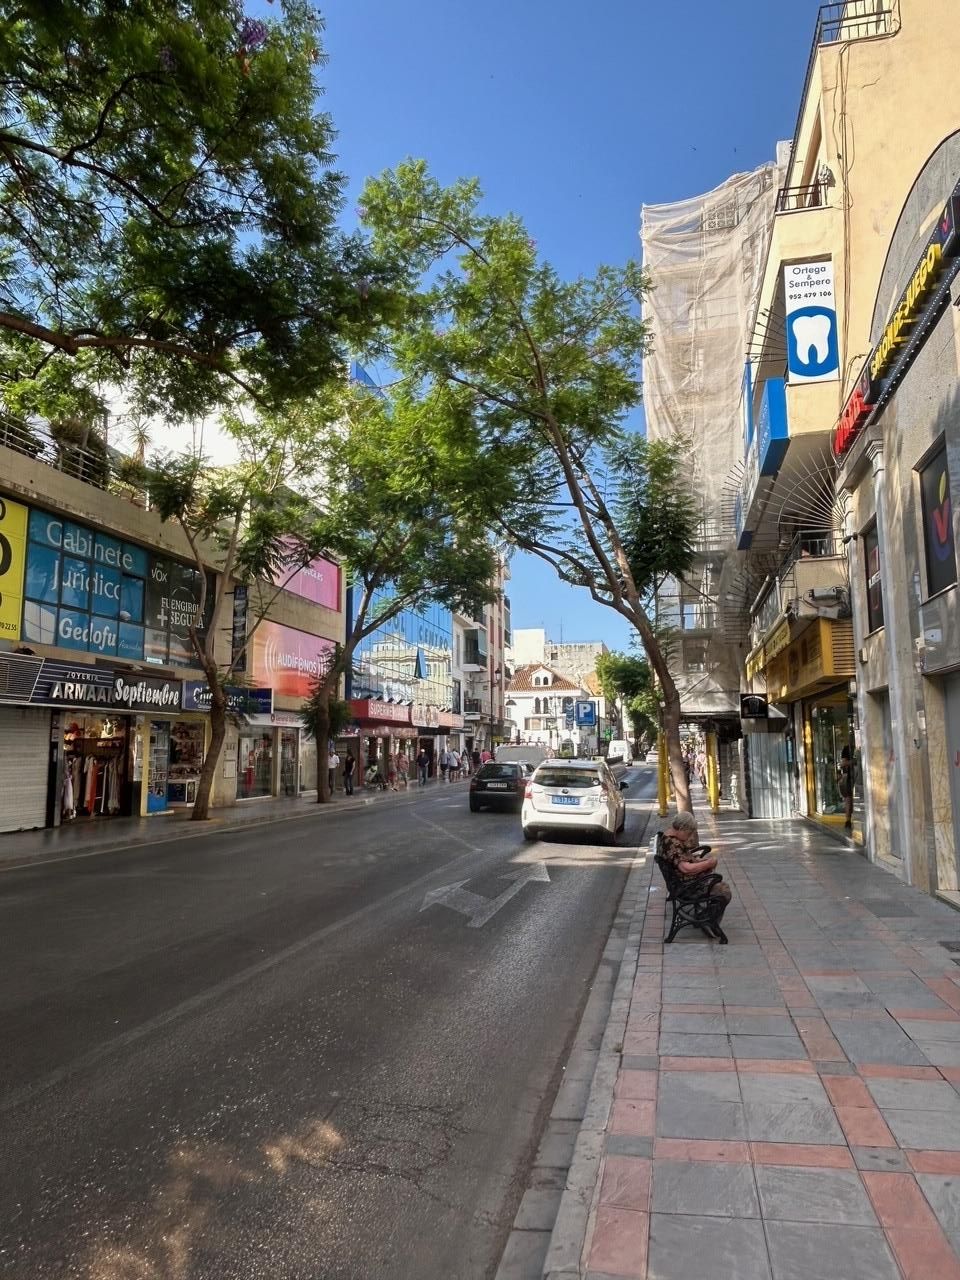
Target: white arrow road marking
(477,907)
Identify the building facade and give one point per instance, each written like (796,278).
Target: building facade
(103,710)
(842,507)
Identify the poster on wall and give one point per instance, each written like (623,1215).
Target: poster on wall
(318,582)
(938,524)
(13,552)
(813,352)
(173,605)
(287,659)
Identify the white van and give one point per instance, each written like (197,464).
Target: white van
(507,754)
(619,749)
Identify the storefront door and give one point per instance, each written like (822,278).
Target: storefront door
(289,766)
(158,766)
(255,765)
(94,766)
(833,729)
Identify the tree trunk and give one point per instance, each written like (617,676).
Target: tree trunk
(321,735)
(671,706)
(211,761)
(671,733)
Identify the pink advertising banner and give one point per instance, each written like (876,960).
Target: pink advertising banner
(319,581)
(287,659)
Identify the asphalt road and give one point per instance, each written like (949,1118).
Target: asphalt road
(257,1054)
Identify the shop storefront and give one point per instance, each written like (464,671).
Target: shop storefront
(810,676)
(97,741)
(897,445)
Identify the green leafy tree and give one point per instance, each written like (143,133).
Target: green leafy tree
(168,204)
(402,512)
(627,682)
(540,374)
(248,521)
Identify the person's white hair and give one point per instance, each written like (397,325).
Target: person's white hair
(684,822)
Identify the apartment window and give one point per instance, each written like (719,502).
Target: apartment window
(694,655)
(871,564)
(938,523)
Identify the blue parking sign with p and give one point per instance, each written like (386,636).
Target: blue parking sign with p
(586,713)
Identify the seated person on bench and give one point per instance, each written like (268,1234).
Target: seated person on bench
(679,845)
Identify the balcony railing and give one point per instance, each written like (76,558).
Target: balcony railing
(810,543)
(846,20)
(793,199)
(94,463)
(472,707)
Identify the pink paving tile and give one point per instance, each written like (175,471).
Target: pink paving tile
(947,990)
(638,1119)
(796,1153)
(891,1071)
(924,1255)
(753,1010)
(934,1161)
(678,1007)
(828,973)
(696,1064)
(701,1149)
(819,1042)
(926,1015)
(641,1020)
(898,1200)
(950,1073)
(847,1091)
(641,1042)
(619,1244)
(864,1127)
(800,1001)
(626,1182)
(640,1086)
(777,1066)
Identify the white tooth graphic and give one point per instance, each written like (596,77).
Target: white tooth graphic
(812,331)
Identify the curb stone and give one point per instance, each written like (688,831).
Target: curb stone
(589,1077)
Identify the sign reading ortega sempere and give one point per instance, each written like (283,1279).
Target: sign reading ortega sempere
(922,301)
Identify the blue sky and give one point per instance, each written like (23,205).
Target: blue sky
(573,116)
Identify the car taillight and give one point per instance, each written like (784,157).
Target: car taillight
(528,791)
(473,784)
(604,793)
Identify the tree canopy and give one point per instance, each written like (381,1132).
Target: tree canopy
(168,203)
(541,374)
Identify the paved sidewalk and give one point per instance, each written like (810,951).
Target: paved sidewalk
(783,1108)
(96,835)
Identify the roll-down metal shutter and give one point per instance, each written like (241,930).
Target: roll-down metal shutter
(24,745)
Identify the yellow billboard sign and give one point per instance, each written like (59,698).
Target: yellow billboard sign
(13,557)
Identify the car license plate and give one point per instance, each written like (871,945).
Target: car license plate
(498,786)
(565,799)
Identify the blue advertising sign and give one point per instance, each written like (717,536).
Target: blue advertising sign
(586,714)
(773,435)
(813,349)
(85,590)
(259,702)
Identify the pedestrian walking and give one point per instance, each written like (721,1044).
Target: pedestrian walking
(423,765)
(454,766)
(333,761)
(845,786)
(349,765)
(475,759)
(392,771)
(403,770)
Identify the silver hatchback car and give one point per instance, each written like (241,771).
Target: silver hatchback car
(569,794)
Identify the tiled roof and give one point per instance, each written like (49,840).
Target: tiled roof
(522,681)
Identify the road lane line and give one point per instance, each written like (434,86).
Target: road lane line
(28,1092)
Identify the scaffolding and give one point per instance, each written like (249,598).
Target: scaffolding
(705,257)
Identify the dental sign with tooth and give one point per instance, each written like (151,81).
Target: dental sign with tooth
(919,306)
(813,353)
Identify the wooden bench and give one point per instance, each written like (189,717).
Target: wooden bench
(690,896)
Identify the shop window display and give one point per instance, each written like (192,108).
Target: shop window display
(94,767)
(186,761)
(254,765)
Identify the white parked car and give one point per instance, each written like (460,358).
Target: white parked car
(570,794)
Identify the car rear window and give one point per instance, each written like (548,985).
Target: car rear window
(557,776)
(498,771)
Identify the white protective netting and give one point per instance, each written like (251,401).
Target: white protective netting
(705,257)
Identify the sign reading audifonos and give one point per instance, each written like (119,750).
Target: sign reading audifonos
(286,659)
(923,300)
